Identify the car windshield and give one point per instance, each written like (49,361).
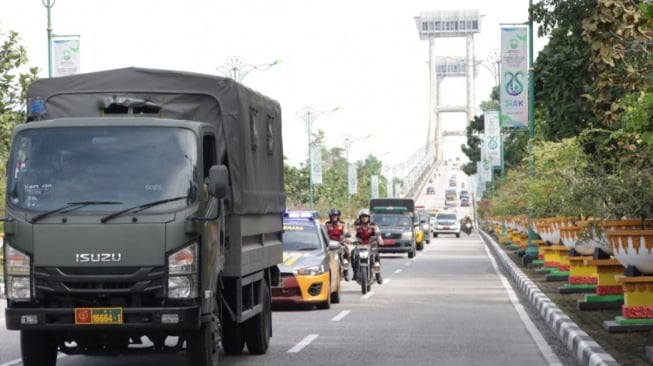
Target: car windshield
(51,167)
(447,217)
(300,237)
(391,220)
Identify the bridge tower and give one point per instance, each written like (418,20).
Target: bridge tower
(448,24)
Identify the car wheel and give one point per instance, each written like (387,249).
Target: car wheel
(335,296)
(458,235)
(435,235)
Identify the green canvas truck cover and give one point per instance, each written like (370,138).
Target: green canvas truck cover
(248,124)
(408,203)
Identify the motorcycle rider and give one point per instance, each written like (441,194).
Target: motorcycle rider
(367,233)
(337,230)
(467,220)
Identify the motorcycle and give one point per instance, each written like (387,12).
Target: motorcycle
(363,254)
(467,228)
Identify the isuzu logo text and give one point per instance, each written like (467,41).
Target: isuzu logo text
(97,257)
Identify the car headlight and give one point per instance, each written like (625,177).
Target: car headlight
(18,269)
(312,270)
(182,273)
(407,235)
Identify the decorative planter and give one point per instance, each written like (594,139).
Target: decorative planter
(633,248)
(609,292)
(571,238)
(606,226)
(638,297)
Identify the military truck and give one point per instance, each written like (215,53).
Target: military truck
(397,222)
(143,214)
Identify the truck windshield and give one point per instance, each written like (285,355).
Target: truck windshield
(391,220)
(128,166)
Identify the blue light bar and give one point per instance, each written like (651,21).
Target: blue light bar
(301,214)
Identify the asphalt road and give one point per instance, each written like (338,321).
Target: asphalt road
(447,306)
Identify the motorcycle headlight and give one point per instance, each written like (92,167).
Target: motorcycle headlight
(364,254)
(182,273)
(312,270)
(18,269)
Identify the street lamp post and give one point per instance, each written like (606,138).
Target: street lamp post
(236,68)
(309,115)
(48,5)
(348,142)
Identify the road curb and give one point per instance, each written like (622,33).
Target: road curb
(585,349)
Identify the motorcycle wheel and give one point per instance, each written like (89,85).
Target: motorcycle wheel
(364,282)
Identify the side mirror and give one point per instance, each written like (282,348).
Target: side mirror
(334,245)
(218,181)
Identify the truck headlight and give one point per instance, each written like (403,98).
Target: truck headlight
(18,268)
(312,270)
(182,272)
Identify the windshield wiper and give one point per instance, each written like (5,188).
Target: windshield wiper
(140,208)
(72,206)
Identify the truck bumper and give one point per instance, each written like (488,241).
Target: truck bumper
(132,319)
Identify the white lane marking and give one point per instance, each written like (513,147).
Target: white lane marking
(18,361)
(539,340)
(398,270)
(339,317)
(303,343)
(367,295)
(407,264)
(386,281)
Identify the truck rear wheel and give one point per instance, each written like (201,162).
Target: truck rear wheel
(38,349)
(258,329)
(233,341)
(203,345)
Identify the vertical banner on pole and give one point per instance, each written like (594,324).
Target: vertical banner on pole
(316,165)
(353,180)
(486,166)
(397,190)
(492,138)
(388,189)
(374,189)
(514,76)
(65,51)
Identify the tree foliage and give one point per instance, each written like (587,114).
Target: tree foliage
(620,40)
(14,80)
(333,192)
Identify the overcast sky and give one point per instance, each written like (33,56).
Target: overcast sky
(364,56)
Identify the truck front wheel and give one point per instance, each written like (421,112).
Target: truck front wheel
(203,345)
(38,349)
(258,329)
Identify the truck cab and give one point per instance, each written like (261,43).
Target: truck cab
(396,220)
(135,210)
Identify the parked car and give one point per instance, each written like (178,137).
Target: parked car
(464,193)
(447,222)
(310,272)
(464,202)
(430,190)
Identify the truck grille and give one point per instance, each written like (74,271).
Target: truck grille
(84,285)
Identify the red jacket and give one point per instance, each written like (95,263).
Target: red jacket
(336,230)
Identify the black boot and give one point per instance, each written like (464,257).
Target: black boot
(345,275)
(379,279)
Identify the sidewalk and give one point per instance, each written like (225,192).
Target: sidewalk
(581,331)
